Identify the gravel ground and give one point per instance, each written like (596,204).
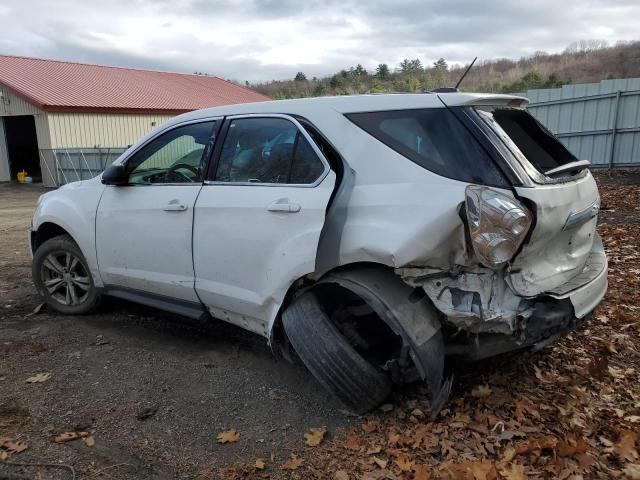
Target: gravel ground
(108,368)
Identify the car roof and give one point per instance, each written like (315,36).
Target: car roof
(353,103)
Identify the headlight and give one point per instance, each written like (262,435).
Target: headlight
(498,225)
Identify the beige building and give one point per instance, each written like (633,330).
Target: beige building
(62,121)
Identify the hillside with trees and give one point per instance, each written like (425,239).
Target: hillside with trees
(580,62)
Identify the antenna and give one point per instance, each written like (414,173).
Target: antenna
(465,73)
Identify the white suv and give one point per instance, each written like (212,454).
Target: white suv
(371,235)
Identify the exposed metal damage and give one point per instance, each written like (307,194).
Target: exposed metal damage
(479,301)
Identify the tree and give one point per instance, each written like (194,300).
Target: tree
(300,77)
(411,66)
(360,71)
(382,71)
(441,65)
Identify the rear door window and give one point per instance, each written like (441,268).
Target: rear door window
(434,139)
(530,138)
(267,151)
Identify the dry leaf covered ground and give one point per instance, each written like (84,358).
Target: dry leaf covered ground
(161,399)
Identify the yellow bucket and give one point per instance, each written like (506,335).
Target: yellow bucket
(21,176)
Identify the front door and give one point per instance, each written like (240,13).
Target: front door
(144,229)
(258,219)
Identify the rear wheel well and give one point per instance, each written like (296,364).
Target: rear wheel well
(366,331)
(45,232)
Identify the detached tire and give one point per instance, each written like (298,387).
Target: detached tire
(61,275)
(331,359)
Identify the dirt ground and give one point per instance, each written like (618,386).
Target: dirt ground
(108,367)
(570,411)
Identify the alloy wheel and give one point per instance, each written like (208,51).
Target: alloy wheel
(65,278)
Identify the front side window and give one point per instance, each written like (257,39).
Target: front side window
(267,150)
(176,156)
(434,139)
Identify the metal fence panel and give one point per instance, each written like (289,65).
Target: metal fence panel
(599,122)
(65,165)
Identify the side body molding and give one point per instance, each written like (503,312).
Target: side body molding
(415,321)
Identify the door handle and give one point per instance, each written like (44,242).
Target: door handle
(281,206)
(175,206)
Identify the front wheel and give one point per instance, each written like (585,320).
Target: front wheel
(62,277)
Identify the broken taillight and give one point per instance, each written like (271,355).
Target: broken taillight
(498,224)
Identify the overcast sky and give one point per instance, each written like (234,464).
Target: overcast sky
(273,39)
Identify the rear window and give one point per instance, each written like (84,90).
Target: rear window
(434,139)
(529,137)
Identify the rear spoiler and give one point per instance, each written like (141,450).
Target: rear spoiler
(573,167)
(482,100)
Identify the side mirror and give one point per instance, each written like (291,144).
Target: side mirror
(115,175)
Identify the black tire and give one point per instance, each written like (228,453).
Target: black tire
(331,359)
(77,279)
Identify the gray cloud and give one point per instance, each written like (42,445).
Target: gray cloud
(273,39)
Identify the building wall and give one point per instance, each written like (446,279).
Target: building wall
(99,130)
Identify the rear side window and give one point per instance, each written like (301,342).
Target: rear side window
(434,139)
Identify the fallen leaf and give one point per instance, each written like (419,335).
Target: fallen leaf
(632,471)
(481,391)
(421,472)
(379,475)
(516,472)
(352,443)
(260,464)
(314,436)
(14,446)
(369,427)
(90,441)
(39,378)
(228,436)
(70,436)
(378,461)
(404,462)
(484,470)
(572,447)
(293,463)
(509,454)
(3,455)
(625,448)
(341,475)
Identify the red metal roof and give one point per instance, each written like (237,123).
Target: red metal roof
(57,86)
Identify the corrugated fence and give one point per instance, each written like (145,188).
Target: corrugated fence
(599,122)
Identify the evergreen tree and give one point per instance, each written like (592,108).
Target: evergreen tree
(382,71)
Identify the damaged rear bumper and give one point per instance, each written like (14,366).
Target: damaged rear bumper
(484,317)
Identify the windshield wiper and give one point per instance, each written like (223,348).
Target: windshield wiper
(578,166)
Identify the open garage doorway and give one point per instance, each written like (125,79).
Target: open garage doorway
(22,146)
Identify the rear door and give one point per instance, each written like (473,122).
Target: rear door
(258,218)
